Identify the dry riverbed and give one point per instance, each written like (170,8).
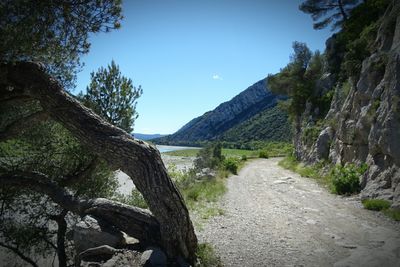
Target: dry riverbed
(274,217)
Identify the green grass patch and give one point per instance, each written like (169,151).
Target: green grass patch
(201,195)
(381,205)
(392,213)
(263,154)
(227,152)
(376,204)
(312,171)
(274,149)
(231,165)
(134,199)
(207,256)
(205,190)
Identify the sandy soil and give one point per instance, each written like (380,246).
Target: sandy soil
(274,217)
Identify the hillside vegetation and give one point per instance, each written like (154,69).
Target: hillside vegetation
(249,116)
(269,125)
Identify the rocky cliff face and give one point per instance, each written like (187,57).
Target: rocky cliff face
(212,124)
(364,125)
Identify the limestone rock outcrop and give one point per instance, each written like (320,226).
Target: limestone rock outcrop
(366,122)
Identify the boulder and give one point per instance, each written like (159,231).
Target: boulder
(323,143)
(91,232)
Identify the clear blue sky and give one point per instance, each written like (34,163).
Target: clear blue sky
(189,56)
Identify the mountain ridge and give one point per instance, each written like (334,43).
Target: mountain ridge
(213,124)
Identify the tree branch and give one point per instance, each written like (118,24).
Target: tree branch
(19,126)
(134,221)
(80,174)
(19,253)
(137,159)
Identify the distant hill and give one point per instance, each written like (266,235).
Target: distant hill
(145,137)
(237,120)
(268,125)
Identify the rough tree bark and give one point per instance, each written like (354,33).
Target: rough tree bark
(137,159)
(136,222)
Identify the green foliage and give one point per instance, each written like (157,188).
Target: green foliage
(310,134)
(359,49)
(298,81)
(275,149)
(346,179)
(113,97)
(198,192)
(134,199)
(325,12)
(269,125)
(207,257)
(209,157)
(205,190)
(231,165)
(49,149)
(55,33)
(382,205)
(376,204)
(349,47)
(316,171)
(392,213)
(263,154)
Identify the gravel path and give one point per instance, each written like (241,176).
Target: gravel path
(274,217)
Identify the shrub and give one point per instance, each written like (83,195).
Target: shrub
(310,134)
(345,179)
(263,154)
(231,165)
(244,158)
(134,199)
(376,204)
(209,157)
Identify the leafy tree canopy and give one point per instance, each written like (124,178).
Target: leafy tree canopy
(325,12)
(54,32)
(113,97)
(297,80)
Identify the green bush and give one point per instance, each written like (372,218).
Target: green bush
(209,157)
(230,164)
(244,157)
(376,204)
(345,179)
(134,199)
(263,154)
(310,134)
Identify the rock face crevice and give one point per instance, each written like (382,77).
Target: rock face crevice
(364,126)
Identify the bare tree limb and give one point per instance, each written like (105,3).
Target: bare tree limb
(19,253)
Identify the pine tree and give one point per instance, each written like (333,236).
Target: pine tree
(325,12)
(112,96)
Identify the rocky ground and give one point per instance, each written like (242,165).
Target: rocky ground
(181,163)
(274,217)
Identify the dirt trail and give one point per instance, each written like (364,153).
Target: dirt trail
(274,217)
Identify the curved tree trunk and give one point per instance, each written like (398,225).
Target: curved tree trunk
(136,222)
(137,159)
